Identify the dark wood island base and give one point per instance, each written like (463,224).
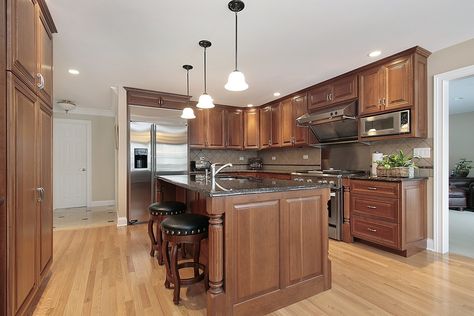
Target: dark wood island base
(265,251)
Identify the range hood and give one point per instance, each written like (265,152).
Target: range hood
(333,125)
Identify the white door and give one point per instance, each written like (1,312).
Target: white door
(70,164)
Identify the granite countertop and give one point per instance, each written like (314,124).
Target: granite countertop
(387,179)
(237,185)
(227,171)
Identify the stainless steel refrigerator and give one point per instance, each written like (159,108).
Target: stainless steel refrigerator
(158,145)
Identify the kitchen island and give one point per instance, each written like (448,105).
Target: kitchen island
(268,240)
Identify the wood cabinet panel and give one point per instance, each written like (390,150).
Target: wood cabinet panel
(258,247)
(370,91)
(215,128)
(398,84)
(374,189)
(197,129)
(21,106)
(380,232)
(344,89)
(45,167)
(300,107)
(319,97)
(286,123)
(386,209)
(276,126)
(266,127)
(303,220)
(45,59)
(251,129)
(22,59)
(235,129)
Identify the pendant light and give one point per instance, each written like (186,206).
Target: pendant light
(236,81)
(188,112)
(205,100)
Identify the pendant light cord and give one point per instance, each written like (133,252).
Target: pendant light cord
(235,41)
(187,85)
(205,70)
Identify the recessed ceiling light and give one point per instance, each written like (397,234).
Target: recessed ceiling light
(458,98)
(375,53)
(277,94)
(250,105)
(73,71)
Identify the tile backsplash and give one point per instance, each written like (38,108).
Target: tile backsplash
(222,156)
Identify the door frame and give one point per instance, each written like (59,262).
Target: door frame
(441,155)
(88,125)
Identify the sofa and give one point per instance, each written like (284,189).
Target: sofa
(461,193)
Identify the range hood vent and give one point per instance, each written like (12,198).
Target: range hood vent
(333,125)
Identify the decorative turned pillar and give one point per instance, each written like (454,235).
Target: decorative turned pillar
(346,225)
(216,254)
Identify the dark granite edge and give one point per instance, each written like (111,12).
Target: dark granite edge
(387,179)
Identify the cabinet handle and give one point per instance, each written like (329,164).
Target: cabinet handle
(372,207)
(371,230)
(327,97)
(384,101)
(330,96)
(371,188)
(40,84)
(40,192)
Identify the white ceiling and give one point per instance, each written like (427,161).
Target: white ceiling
(461,95)
(283,45)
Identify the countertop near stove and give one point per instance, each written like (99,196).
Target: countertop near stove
(387,179)
(237,186)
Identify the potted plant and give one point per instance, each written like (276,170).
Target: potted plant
(462,167)
(396,165)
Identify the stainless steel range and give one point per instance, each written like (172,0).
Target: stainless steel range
(336,203)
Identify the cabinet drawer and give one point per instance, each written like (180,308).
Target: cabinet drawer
(375,188)
(386,209)
(383,233)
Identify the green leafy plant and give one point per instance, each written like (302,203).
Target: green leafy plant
(396,160)
(463,167)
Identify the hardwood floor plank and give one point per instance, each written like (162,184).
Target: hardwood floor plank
(108,271)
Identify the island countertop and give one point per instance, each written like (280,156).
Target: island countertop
(234,185)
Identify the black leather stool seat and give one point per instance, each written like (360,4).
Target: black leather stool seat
(185,224)
(167,208)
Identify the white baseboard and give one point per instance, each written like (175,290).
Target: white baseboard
(430,244)
(122,221)
(102,203)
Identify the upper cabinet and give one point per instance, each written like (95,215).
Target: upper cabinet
(234,128)
(326,94)
(252,129)
(207,130)
(30,46)
(387,87)
(270,126)
(291,133)
(156,99)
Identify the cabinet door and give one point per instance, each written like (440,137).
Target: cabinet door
(319,97)
(265,127)
(22,40)
(215,128)
(235,129)
(173,102)
(300,106)
(251,129)
(370,90)
(22,196)
(276,126)
(398,84)
(287,124)
(45,168)
(344,89)
(197,129)
(45,59)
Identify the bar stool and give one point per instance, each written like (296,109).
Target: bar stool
(158,212)
(179,230)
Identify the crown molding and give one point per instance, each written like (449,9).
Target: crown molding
(80,110)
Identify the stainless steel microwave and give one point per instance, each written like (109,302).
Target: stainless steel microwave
(394,123)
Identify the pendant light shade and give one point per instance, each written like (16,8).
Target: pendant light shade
(236,80)
(188,112)
(205,100)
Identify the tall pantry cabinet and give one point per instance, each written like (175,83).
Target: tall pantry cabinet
(29,107)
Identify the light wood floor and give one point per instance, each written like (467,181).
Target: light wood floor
(108,271)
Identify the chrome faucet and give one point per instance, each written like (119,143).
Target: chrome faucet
(214,172)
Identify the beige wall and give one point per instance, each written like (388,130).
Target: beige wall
(103,154)
(460,133)
(451,58)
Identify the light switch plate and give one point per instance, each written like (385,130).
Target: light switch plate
(241,158)
(274,158)
(202,158)
(422,152)
(305,157)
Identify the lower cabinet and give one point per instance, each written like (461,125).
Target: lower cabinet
(29,205)
(390,214)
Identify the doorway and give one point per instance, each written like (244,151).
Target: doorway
(441,213)
(72,163)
